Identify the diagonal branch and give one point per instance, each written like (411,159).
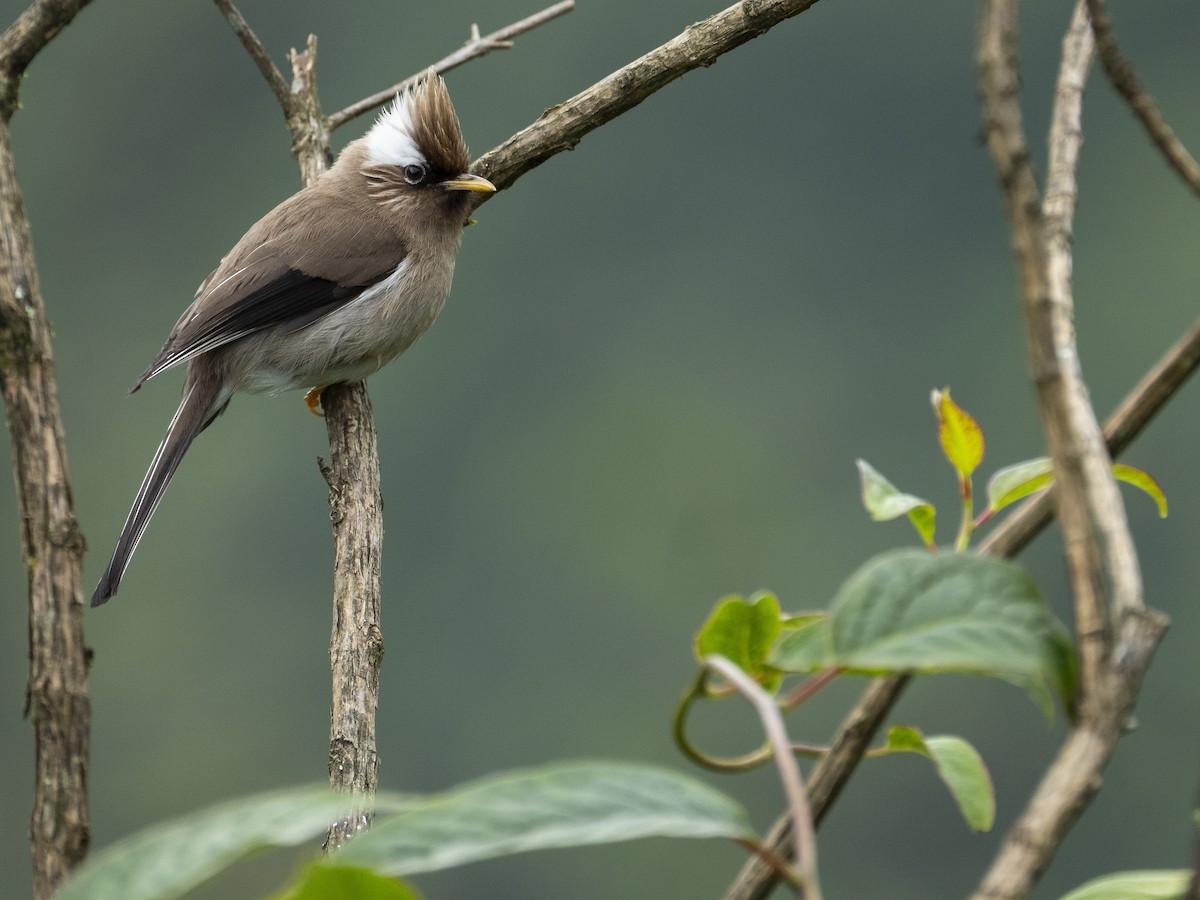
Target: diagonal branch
(1121,73)
(24,38)
(565,125)
(259,54)
(474,48)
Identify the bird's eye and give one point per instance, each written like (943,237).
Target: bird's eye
(414,173)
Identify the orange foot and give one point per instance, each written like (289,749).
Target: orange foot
(313,401)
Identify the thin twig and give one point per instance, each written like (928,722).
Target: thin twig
(475,47)
(1121,73)
(266,66)
(757,880)
(804,848)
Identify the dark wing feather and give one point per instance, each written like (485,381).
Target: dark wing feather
(283,272)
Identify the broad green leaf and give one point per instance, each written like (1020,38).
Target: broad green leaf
(909,611)
(1011,483)
(328,882)
(959,766)
(885,502)
(804,645)
(1143,480)
(1164,884)
(557,806)
(959,434)
(743,632)
(168,860)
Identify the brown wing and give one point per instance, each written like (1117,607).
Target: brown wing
(312,254)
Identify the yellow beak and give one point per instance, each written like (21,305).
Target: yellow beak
(469,183)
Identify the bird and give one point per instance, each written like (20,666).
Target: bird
(327,287)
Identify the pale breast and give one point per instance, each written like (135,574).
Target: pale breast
(351,342)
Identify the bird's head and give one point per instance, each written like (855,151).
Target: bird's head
(415,156)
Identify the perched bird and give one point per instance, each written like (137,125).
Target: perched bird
(334,282)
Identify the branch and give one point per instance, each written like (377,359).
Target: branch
(1116,635)
(1121,73)
(1095,533)
(564,126)
(51,542)
(804,845)
(475,47)
(757,879)
(24,39)
(266,66)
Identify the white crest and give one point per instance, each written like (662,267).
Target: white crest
(390,141)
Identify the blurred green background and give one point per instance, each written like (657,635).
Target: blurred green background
(661,357)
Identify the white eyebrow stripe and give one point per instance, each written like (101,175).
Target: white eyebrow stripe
(390,141)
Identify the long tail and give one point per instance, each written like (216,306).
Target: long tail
(199,406)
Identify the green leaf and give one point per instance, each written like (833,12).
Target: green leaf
(959,434)
(1143,480)
(905,739)
(884,502)
(327,882)
(959,766)
(1164,884)
(909,611)
(743,632)
(1020,480)
(1011,483)
(168,860)
(565,805)
(805,645)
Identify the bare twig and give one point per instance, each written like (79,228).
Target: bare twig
(21,41)
(1116,634)
(475,47)
(1121,73)
(258,53)
(356,513)
(757,878)
(1095,534)
(804,845)
(52,544)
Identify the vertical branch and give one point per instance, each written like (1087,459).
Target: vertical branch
(356,514)
(352,473)
(52,548)
(1117,636)
(52,545)
(356,644)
